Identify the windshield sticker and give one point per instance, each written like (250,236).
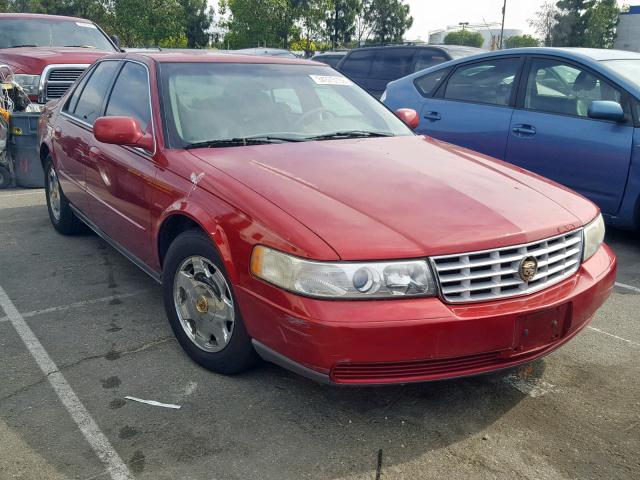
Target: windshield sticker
(330,80)
(86,25)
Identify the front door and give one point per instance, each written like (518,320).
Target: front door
(554,137)
(118,177)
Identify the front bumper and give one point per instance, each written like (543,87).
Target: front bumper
(400,341)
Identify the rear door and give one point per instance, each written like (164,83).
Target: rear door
(552,134)
(73,132)
(473,107)
(119,178)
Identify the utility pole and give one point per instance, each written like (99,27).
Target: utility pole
(463,25)
(504,11)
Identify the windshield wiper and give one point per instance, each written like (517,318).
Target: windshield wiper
(241,142)
(25,45)
(349,134)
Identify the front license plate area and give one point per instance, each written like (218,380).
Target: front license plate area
(535,330)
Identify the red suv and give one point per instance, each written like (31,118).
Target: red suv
(289,215)
(48,52)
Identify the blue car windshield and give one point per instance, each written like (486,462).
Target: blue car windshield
(630,69)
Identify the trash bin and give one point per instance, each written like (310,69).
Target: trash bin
(23,148)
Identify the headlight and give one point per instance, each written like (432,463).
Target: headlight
(29,83)
(347,280)
(593,237)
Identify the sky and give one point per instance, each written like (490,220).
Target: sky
(429,15)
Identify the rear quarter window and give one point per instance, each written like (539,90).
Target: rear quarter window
(392,63)
(428,84)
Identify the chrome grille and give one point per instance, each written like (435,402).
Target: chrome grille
(58,80)
(494,274)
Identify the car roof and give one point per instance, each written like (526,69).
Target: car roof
(210,56)
(421,45)
(591,57)
(37,16)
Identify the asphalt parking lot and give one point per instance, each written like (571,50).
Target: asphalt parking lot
(89,329)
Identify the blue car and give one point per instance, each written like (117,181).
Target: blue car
(572,115)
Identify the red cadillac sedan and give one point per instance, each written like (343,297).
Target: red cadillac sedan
(288,215)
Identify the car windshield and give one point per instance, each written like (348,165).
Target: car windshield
(630,69)
(268,103)
(39,32)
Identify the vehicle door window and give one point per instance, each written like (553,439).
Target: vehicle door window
(489,82)
(428,83)
(427,57)
(130,95)
(91,100)
(73,99)
(392,63)
(358,63)
(557,87)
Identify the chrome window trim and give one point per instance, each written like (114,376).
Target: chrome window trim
(42,87)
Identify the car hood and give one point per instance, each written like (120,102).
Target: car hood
(32,60)
(403,197)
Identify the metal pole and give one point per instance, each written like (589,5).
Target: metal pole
(504,11)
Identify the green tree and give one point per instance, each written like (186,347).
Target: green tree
(148,22)
(251,23)
(464,37)
(198,18)
(586,23)
(340,21)
(389,19)
(544,22)
(518,41)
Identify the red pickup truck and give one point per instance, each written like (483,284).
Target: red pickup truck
(48,53)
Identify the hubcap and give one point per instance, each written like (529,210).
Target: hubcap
(53,191)
(204,304)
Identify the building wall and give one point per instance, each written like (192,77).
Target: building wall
(629,30)
(491,36)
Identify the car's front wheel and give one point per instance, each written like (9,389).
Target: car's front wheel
(201,307)
(62,217)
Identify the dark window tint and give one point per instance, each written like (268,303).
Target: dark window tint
(426,58)
(557,87)
(488,82)
(358,63)
(130,95)
(331,60)
(89,105)
(427,84)
(392,63)
(73,100)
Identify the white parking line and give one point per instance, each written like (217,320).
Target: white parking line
(73,305)
(628,287)
(87,425)
(630,342)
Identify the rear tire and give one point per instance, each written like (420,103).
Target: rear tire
(62,217)
(201,307)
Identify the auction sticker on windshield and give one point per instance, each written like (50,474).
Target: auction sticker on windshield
(330,80)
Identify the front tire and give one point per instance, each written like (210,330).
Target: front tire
(201,306)
(62,217)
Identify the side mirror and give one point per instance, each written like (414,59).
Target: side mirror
(606,110)
(116,40)
(123,131)
(409,116)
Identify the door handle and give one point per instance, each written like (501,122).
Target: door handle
(435,116)
(524,130)
(57,132)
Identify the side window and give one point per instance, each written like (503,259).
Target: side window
(490,82)
(557,87)
(428,83)
(392,63)
(89,106)
(358,63)
(130,95)
(426,58)
(73,99)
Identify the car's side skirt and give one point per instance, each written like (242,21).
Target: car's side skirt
(157,276)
